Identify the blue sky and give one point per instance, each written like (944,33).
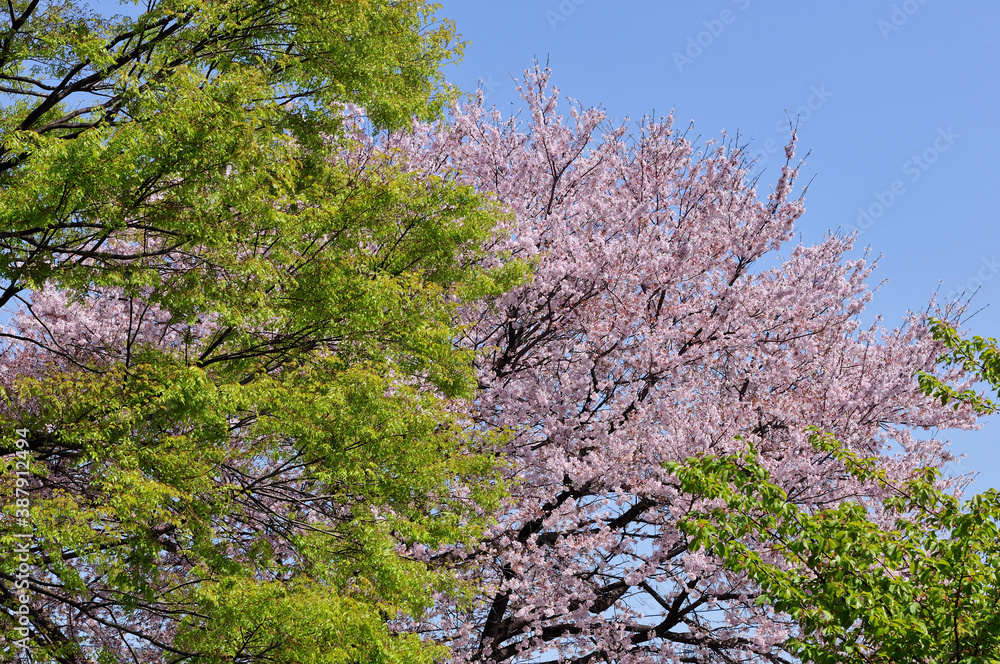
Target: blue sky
(897,103)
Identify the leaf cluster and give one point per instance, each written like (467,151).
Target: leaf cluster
(180,122)
(978,356)
(923,590)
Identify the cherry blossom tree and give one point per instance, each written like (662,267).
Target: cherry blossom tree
(670,314)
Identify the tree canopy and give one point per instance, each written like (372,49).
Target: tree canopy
(293,381)
(232,392)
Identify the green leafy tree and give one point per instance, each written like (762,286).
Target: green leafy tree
(186,122)
(923,590)
(234,406)
(979,356)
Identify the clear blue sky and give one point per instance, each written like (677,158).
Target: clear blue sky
(898,104)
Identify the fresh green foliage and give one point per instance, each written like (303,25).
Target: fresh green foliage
(923,590)
(187,122)
(979,356)
(236,371)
